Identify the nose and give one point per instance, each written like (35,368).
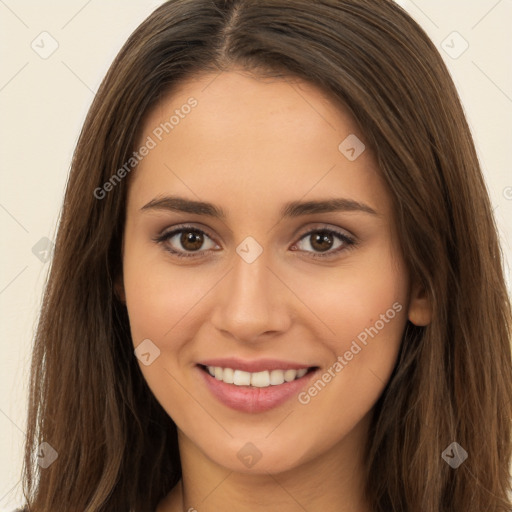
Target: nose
(251,303)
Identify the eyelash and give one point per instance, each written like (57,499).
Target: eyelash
(164,237)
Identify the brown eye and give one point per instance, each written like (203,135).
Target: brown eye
(185,242)
(191,240)
(323,240)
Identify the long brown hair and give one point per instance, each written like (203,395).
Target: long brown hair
(117,447)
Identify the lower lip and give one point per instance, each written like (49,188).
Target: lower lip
(252,399)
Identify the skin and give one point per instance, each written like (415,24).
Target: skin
(249,146)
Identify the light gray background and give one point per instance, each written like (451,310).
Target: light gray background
(43,103)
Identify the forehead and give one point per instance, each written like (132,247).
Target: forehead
(256,139)
(263,113)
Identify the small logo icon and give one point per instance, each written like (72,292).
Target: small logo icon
(352,147)
(45,45)
(46,455)
(147,352)
(249,455)
(43,249)
(454,455)
(454,45)
(249,250)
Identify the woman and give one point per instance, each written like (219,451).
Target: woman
(277,281)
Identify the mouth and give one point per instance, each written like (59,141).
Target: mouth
(255,392)
(261,379)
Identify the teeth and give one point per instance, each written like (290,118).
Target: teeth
(260,379)
(240,378)
(276,377)
(257,379)
(228,376)
(290,375)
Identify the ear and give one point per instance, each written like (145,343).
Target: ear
(119,288)
(420,307)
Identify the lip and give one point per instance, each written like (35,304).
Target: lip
(258,365)
(251,399)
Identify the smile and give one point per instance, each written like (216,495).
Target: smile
(254,392)
(261,379)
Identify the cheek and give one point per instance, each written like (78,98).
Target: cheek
(159,295)
(367,292)
(362,312)
(160,300)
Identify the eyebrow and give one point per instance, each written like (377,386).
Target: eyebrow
(289,210)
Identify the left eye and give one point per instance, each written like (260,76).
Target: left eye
(192,239)
(322,240)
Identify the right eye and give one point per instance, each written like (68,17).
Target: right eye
(190,238)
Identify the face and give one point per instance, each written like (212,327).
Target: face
(266,281)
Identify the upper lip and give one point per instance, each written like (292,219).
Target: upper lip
(258,365)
